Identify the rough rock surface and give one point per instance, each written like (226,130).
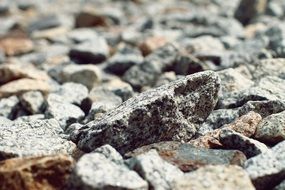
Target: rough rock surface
(46,172)
(181,103)
(214,178)
(33,139)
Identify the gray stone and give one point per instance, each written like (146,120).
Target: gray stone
(95,171)
(146,74)
(189,158)
(30,118)
(215,178)
(5,122)
(157,172)
(162,114)
(73,93)
(110,153)
(120,88)
(32,101)
(267,169)
(95,51)
(272,67)
(8,106)
(233,140)
(65,112)
(165,78)
(281,186)
(35,138)
(46,22)
(124,59)
(271,129)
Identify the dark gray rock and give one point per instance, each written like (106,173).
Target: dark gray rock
(125,58)
(281,186)
(233,140)
(45,22)
(95,51)
(32,101)
(65,112)
(95,171)
(157,172)
(162,114)
(189,158)
(267,169)
(33,139)
(8,106)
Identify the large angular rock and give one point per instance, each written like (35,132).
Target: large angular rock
(272,128)
(215,178)
(47,172)
(42,137)
(95,171)
(189,158)
(267,169)
(157,172)
(162,114)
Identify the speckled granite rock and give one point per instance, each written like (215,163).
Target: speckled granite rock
(166,113)
(33,139)
(233,140)
(47,172)
(157,172)
(95,171)
(271,129)
(267,170)
(272,67)
(8,106)
(215,178)
(189,158)
(32,101)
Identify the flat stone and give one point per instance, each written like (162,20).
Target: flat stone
(95,51)
(44,22)
(8,106)
(181,103)
(157,172)
(267,169)
(233,140)
(63,111)
(95,171)
(32,101)
(88,75)
(47,172)
(152,43)
(16,45)
(10,72)
(188,158)
(23,85)
(271,128)
(215,178)
(73,93)
(33,139)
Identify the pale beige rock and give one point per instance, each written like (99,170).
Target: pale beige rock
(152,43)
(15,46)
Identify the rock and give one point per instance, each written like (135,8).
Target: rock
(16,45)
(157,172)
(281,186)
(272,67)
(125,58)
(233,140)
(8,106)
(165,78)
(268,88)
(81,35)
(186,64)
(267,169)
(10,72)
(214,178)
(32,101)
(33,139)
(147,73)
(47,172)
(30,118)
(110,153)
(103,100)
(63,111)
(249,9)
(5,122)
(138,121)
(189,158)
(73,93)
(233,81)
(95,51)
(44,22)
(95,171)
(271,128)
(245,125)
(152,43)
(274,9)
(88,75)
(24,85)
